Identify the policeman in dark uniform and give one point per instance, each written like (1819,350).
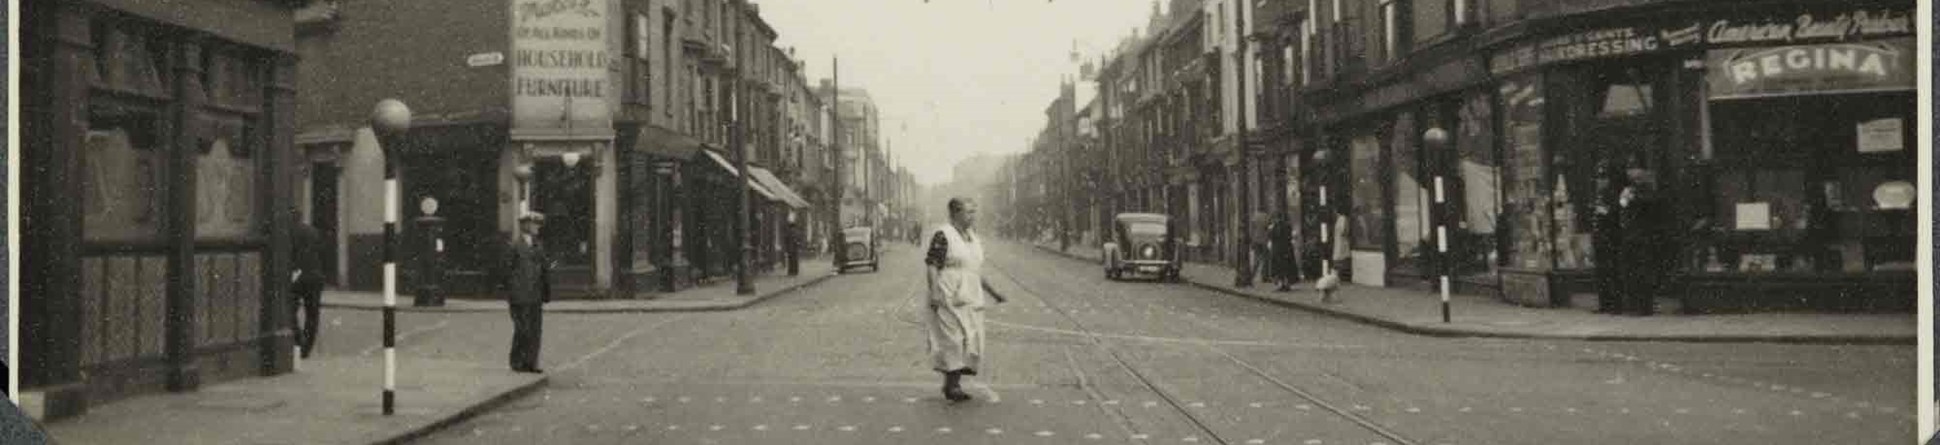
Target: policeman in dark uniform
(528,286)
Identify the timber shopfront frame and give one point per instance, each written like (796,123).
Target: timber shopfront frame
(1778,209)
(1781,135)
(155,225)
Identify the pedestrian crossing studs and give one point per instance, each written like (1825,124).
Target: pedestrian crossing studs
(760,427)
(896,429)
(715,427)
(847,428)
(1094,436)
(943,430)
(1045,434)
(994,431)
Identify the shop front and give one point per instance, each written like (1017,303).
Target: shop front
(1782,138)
(154,225)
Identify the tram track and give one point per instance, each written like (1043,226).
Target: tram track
(1150,383)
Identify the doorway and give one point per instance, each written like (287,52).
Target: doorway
(324,179)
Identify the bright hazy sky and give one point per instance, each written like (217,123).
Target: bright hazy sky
(952,77)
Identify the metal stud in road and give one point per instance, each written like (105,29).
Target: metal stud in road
(389,121)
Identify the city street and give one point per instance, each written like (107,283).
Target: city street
(1076,358)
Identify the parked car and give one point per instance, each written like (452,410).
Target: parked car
(859,248)
(1141,244)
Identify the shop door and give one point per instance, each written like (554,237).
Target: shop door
(324,178)
(565,196)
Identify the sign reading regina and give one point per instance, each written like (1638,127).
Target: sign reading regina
(560,79)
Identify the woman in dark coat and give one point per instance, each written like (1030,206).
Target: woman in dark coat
(1286,266)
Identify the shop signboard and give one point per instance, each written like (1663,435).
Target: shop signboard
(560,79)
(1723,29)
(1811,69)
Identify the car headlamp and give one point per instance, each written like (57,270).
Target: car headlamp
(1149,251)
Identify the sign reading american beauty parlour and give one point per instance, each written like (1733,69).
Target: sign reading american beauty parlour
(1731,29)
(1811,69)
(560,83)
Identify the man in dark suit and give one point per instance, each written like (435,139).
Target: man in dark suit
(306,285)
(1647,247)
(527,287)
(1606,224)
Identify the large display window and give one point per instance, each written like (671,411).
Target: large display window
(1811,160)
(1819,183)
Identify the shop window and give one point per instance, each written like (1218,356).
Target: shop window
(1477,189)
(127,59)
(1810,184)
(1368,212)
(1411,222)
(225,182)
(1526,197)
(123,188)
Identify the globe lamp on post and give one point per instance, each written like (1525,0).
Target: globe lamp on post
(389,121)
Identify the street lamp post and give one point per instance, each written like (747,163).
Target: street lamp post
(1435,142)
(390,120)
(743,281)
(1242,258)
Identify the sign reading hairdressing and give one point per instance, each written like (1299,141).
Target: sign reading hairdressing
(560,79)
(1728,29)
(1811,69)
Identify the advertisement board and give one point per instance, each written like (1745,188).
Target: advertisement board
(1811,69)
(561,85)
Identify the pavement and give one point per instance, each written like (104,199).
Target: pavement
(334,398)
(715,296)
(331,400)
(1418,312)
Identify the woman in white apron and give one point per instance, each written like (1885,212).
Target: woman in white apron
(956,298)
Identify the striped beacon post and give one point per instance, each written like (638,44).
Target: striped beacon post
(389,121)
(1435,142)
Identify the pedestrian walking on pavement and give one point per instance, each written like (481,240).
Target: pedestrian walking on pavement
(1286,267)
(528,287)
(956,298)
(306,286)
(1647,244)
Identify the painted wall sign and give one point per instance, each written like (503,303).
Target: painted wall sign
(561,85)
(1707,31)
(1811,69)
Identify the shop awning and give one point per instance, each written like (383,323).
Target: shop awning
(763,191)
(652,139)
(780,189)
(722,162)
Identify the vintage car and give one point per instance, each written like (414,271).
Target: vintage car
(859,247)
(1141,244)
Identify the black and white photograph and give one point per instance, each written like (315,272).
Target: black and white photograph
(1220,222)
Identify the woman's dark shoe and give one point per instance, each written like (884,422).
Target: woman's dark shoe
(955,394)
